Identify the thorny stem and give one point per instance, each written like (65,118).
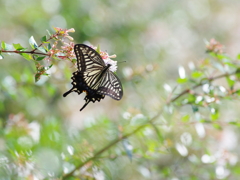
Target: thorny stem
(111,144)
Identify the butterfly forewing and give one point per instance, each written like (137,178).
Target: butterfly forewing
(87,57)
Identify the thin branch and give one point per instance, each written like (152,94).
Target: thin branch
(27,52)
(205,81)
(33,51)
(200,84)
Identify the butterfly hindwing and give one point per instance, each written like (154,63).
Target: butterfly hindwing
(111,86)
(80,86)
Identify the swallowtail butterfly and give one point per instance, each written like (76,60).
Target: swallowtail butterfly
(93,77)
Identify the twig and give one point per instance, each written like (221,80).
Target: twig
(200,84)
(27,52)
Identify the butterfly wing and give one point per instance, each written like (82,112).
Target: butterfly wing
(111,86)
(87,58)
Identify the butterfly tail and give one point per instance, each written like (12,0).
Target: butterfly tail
(85,105)
(68,92)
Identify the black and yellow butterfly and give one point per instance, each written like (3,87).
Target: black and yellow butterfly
(93,76)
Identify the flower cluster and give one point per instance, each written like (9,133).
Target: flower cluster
(63,33)
(66,50)
(214,46)
(63,48)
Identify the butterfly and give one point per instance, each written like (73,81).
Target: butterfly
(93,76)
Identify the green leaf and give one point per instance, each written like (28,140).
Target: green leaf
(182,81)
(238,70)
(74,61)
(191,98)
(238,92)
(33,43)
(40,58)
(205,121)
(37,77)
(46,74)
(217,126)
(235,123)
(230,64)
(98,49)
(27,56)
(196,74)
(185,118)
(195,108)
(212,53)
(223,57)
(214,114)
(238,56)
(44,39)
(214,117)
(230,82)
(236,170)
(18,47)
(50,66)
(238,73)
(166,171)
(3,45)
(49,47)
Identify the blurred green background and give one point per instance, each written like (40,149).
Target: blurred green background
(154,37)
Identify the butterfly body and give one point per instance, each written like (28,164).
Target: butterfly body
(93,76)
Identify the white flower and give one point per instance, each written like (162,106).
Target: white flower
(107,60)
(113,64)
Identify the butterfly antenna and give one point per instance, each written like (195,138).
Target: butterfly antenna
(122,61)
(84,105)
(68,92)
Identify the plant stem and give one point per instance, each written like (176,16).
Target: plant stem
(111,144)
(200,84)
(27,52)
